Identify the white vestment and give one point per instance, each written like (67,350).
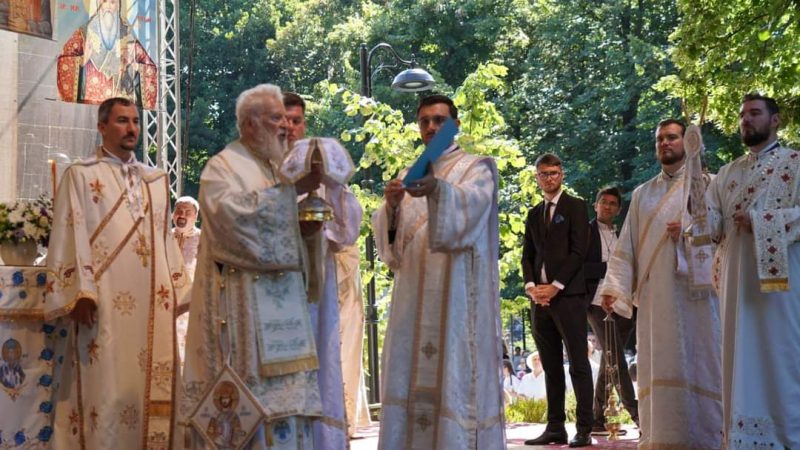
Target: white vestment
(351,316)
(110,243)
(330,431)
(188,243)
(442,353)
(678,337)
(761,330)
(249,307)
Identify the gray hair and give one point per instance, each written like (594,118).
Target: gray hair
(248,106)
(190,200)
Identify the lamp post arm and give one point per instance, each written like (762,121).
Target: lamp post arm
(365,62)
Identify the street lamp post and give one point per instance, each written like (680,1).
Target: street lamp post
(413,79)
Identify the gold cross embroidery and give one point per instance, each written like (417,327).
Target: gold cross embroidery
(142,249)
(701,256)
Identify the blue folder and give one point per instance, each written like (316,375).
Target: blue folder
(437,146)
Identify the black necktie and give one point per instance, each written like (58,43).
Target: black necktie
(547,214)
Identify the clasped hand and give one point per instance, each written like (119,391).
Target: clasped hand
(311,181)
(542,294)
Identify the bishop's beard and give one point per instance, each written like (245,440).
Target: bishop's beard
(271,146)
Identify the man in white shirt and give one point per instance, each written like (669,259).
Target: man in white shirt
(602,239)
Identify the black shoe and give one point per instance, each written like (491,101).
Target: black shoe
(581,440)
(549,437)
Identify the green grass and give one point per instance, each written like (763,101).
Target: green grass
(535,411)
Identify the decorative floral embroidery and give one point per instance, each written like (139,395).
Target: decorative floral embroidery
(100,252)
(63,274)
(129,417)
(97,190)
(162,374)
(429,350)
(423,421)
(163,297)
(125,303)
(157,439)
(142,357)
(93,349)
(74,421)
(752,433)
(75,217)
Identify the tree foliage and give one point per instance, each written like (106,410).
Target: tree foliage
(587,80)
(724,49)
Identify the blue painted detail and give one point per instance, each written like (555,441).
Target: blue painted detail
(282,430)
(45,433)
(47,354)
(46,380)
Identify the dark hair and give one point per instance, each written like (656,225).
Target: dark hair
(772,105)
(609,190)
(436,99)
(507,364)
(104,111)
(677,122)
(292,99)
(548,159)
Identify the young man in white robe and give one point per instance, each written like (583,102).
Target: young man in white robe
(754,210)
(118,275)
(442,354)
(249,309)
(336,235)
(678,331)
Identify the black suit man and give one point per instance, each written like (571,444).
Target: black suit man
(602,238)
(556,235)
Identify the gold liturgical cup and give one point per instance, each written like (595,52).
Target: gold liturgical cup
(314,209)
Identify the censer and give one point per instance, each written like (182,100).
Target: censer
(612,411)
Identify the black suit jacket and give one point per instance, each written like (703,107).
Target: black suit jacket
(561,247)
(594,268)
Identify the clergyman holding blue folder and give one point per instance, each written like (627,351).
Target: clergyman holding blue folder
(442,352)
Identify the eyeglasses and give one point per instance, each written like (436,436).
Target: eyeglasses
(607,203)
(435,120)
(544,175)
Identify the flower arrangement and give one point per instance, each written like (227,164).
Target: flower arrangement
(24,221)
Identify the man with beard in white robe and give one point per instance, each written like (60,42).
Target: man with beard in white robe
(754,207)
(442,354)
(118,275)
(678,333)
(186,233)
(249,308)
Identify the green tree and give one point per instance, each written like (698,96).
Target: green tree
(724,49)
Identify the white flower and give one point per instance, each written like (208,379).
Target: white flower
(30,230)
(15,216)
